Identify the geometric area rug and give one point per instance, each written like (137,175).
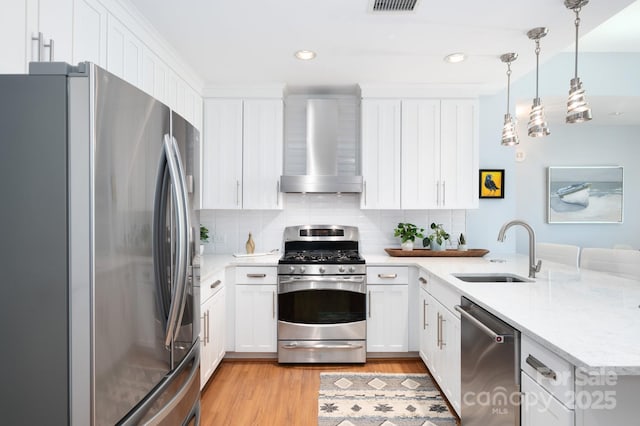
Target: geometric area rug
(381,399)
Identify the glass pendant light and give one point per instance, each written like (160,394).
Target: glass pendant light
(537,124)
(509,134)
(578,110)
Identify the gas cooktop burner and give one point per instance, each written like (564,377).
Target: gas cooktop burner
(322,256)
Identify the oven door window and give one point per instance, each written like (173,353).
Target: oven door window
(321,307)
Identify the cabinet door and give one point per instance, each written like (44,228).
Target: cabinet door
(420,154)
(56,23)
(380,154)
(13,30)
(222,154)
(89,32)
(459,153)
(540,408)
(425,328)
(218,327)
(262,154)
(124,53)
(388,318)
(256,318)
(206,344)
(450,348)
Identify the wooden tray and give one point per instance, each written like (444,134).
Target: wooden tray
(396,252)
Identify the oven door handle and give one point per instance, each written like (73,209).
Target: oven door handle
(290,286)
(313,346)
(333,280)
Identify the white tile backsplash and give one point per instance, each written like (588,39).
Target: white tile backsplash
(229,229)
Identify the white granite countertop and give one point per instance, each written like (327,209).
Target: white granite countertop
(592,319)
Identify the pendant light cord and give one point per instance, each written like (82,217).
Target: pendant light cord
(537,64)
(577,22)
(508,84)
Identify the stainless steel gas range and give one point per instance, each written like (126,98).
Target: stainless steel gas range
(321,296)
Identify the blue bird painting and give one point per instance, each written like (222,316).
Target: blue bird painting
(490,184)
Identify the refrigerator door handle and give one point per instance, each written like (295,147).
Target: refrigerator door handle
(186,249)
(182,244)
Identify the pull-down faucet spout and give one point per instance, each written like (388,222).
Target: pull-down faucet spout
(533,266)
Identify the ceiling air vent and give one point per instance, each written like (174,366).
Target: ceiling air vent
(393,5)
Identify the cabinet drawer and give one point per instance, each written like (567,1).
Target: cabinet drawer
(211,286)
(550,371)
(540,408)
(387,275)
(443,293)
(256,274)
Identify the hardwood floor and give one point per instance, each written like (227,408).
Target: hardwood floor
(264,393)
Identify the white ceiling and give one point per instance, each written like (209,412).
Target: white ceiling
(253,41)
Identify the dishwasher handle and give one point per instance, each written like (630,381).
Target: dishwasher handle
(496,337)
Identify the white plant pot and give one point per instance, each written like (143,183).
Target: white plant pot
(462,247)
(438,247)
(407,245)
(201,249)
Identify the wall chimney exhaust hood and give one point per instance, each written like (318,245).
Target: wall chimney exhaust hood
(321,176)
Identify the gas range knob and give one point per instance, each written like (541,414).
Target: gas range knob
(302,269)
(321,269)
(352,269)
(341,269)
(292,269)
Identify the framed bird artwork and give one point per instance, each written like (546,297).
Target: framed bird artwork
(491,183)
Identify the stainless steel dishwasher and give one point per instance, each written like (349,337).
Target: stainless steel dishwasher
(490,358)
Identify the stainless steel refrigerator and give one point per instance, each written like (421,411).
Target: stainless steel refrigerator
(99,304)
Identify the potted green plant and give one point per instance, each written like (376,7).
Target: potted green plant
(462,243)
(437,239)
(408,232)
(204,237)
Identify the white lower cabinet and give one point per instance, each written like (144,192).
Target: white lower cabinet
(540,408)
(440,337)
(256,304)
(213,326)
(387,309)
(387,318)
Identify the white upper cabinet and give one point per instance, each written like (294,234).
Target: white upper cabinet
(381,160)
(23,20)
(262,153)
(222,154)
(242,154)
(459,161)
(420,153)
(13,30)
(124,53)
(89,32)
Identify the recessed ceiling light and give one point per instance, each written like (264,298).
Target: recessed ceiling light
(616,113)
(454,58)
(305,55)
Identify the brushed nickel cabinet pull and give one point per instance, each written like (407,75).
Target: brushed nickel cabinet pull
(424,315)
(256,275)
(387,275)
(541,367)
(215,284)
(422,280)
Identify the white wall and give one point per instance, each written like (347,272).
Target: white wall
(585,144)
(229,229)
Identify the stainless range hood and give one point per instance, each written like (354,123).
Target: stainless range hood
(322,154)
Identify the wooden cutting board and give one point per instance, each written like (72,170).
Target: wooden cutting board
(397,252)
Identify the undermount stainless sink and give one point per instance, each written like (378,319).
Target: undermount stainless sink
(492,278)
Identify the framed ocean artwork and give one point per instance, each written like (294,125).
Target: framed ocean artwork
(585,194)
